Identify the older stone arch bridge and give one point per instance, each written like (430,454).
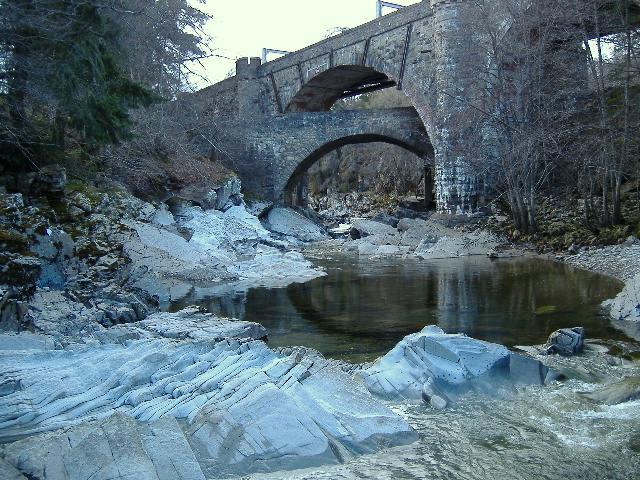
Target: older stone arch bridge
(271,121)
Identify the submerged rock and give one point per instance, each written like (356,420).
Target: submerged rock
(240,406)
(566,341)
(625,390)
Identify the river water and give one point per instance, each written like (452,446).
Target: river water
(363,307)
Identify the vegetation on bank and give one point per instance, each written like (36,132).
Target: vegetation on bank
(77,76)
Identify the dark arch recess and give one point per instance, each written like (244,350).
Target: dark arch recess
(294,179)
(323,90)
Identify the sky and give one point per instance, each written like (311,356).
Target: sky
(242,28)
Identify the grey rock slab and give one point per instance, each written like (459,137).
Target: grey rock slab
(26,341)
(170,451)
(366,228)
(9,472)
(245,407)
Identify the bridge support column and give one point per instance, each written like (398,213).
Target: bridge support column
(458,144)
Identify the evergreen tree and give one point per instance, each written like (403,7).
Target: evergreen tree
(58,67)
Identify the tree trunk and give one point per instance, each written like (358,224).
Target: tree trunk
(606,219)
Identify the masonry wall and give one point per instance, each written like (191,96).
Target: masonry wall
(271,151)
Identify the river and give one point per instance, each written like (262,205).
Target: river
(363,307)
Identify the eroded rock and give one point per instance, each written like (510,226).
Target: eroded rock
(241,407)
(626,305)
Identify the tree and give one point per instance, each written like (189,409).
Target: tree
(160,40)
(59,69)
(610,124)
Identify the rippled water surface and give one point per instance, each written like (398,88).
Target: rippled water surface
(363,307)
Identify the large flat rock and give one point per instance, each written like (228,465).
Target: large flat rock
(290,223)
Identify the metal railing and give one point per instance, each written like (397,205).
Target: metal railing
(267,51)
(380,5)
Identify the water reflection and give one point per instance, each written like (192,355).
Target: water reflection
(363,307)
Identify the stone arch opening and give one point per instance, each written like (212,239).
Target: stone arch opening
(321,91)
(294,194)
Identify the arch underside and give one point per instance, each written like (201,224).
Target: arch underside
(422,150)
(323,90)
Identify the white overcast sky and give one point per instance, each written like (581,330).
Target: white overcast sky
(241,28)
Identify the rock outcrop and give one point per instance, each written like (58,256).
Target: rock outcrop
(426,239)
(231,406)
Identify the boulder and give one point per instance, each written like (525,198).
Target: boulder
(290,223)
(365,228)
(626,305)
(433,366)
(566,341)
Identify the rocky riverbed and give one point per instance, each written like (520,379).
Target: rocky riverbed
(95,382)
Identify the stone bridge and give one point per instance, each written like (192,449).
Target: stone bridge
(271,121)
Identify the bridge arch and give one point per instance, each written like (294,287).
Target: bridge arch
(418,146)
(402,127)
(324,89)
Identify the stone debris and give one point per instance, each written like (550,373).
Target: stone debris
(240,406)
(426,239)
(619,261)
